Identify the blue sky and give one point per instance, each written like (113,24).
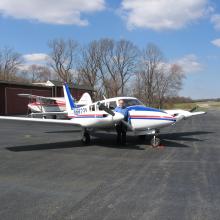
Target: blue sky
(187,32)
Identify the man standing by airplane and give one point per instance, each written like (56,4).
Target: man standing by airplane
(121,127)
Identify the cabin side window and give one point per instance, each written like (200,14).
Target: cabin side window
(112,105)
(100,103)
(92,108)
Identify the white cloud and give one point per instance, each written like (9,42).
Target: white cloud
(215,19)
(163,14)
(190,63)
(36,57)
(50,11)
(216,42)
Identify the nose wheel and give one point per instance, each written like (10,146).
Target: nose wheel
(86,137)
(155,141)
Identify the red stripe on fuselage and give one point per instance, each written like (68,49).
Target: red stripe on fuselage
(149,116)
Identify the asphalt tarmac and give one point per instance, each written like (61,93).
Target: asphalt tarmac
(46,173)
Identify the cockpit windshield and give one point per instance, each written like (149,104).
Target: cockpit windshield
(131,102)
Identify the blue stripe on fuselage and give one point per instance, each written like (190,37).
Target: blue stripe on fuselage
(143,108)
(163,119)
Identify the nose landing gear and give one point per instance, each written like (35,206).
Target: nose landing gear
(155,141)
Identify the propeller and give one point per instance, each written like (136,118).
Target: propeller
(109,111)
(193,109)
(127,125)
(106,109)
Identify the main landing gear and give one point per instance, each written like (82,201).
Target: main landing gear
(86,137)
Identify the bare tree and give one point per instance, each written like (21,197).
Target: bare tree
(149,67)
(168,82)
(156,80)
(107,73)
(138,87)
(89,66)
(118,63)
(36,73)
(9,63)
(63,58)
(125,61)
(107,66)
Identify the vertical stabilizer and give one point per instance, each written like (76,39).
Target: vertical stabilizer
(68,99)
(85,100)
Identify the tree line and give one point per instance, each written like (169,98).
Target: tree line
(111,68)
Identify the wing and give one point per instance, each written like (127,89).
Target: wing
(64,113)
(30,96)
(40,120)
(183,114)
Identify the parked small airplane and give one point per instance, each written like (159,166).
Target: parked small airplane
(39,104)
(53,106)
(142,120)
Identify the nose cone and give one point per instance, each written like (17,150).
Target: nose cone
(118,117)
(163,120)
(169,119)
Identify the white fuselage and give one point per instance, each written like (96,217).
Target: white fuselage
(140,117)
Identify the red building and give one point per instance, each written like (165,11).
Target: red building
(12,104)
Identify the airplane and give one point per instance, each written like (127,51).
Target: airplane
(142,120)
(54,106)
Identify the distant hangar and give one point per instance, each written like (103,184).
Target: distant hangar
(12,104)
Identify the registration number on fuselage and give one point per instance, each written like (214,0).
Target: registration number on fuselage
(79,111)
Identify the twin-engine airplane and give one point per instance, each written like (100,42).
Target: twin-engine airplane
(142,120)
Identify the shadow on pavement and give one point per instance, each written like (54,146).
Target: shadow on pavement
(108,140)
(184,136)
(63,131)
(73,144)
(47,146)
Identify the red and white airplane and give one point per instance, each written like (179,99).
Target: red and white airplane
(42,105)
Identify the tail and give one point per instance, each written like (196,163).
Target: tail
(68,99)
(85,100)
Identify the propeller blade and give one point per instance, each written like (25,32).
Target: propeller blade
(127,125)
(193,109)
(106,109)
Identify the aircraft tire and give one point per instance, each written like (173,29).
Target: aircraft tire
(155,142)
(86,138)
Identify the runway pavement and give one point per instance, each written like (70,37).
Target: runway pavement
(46,173)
